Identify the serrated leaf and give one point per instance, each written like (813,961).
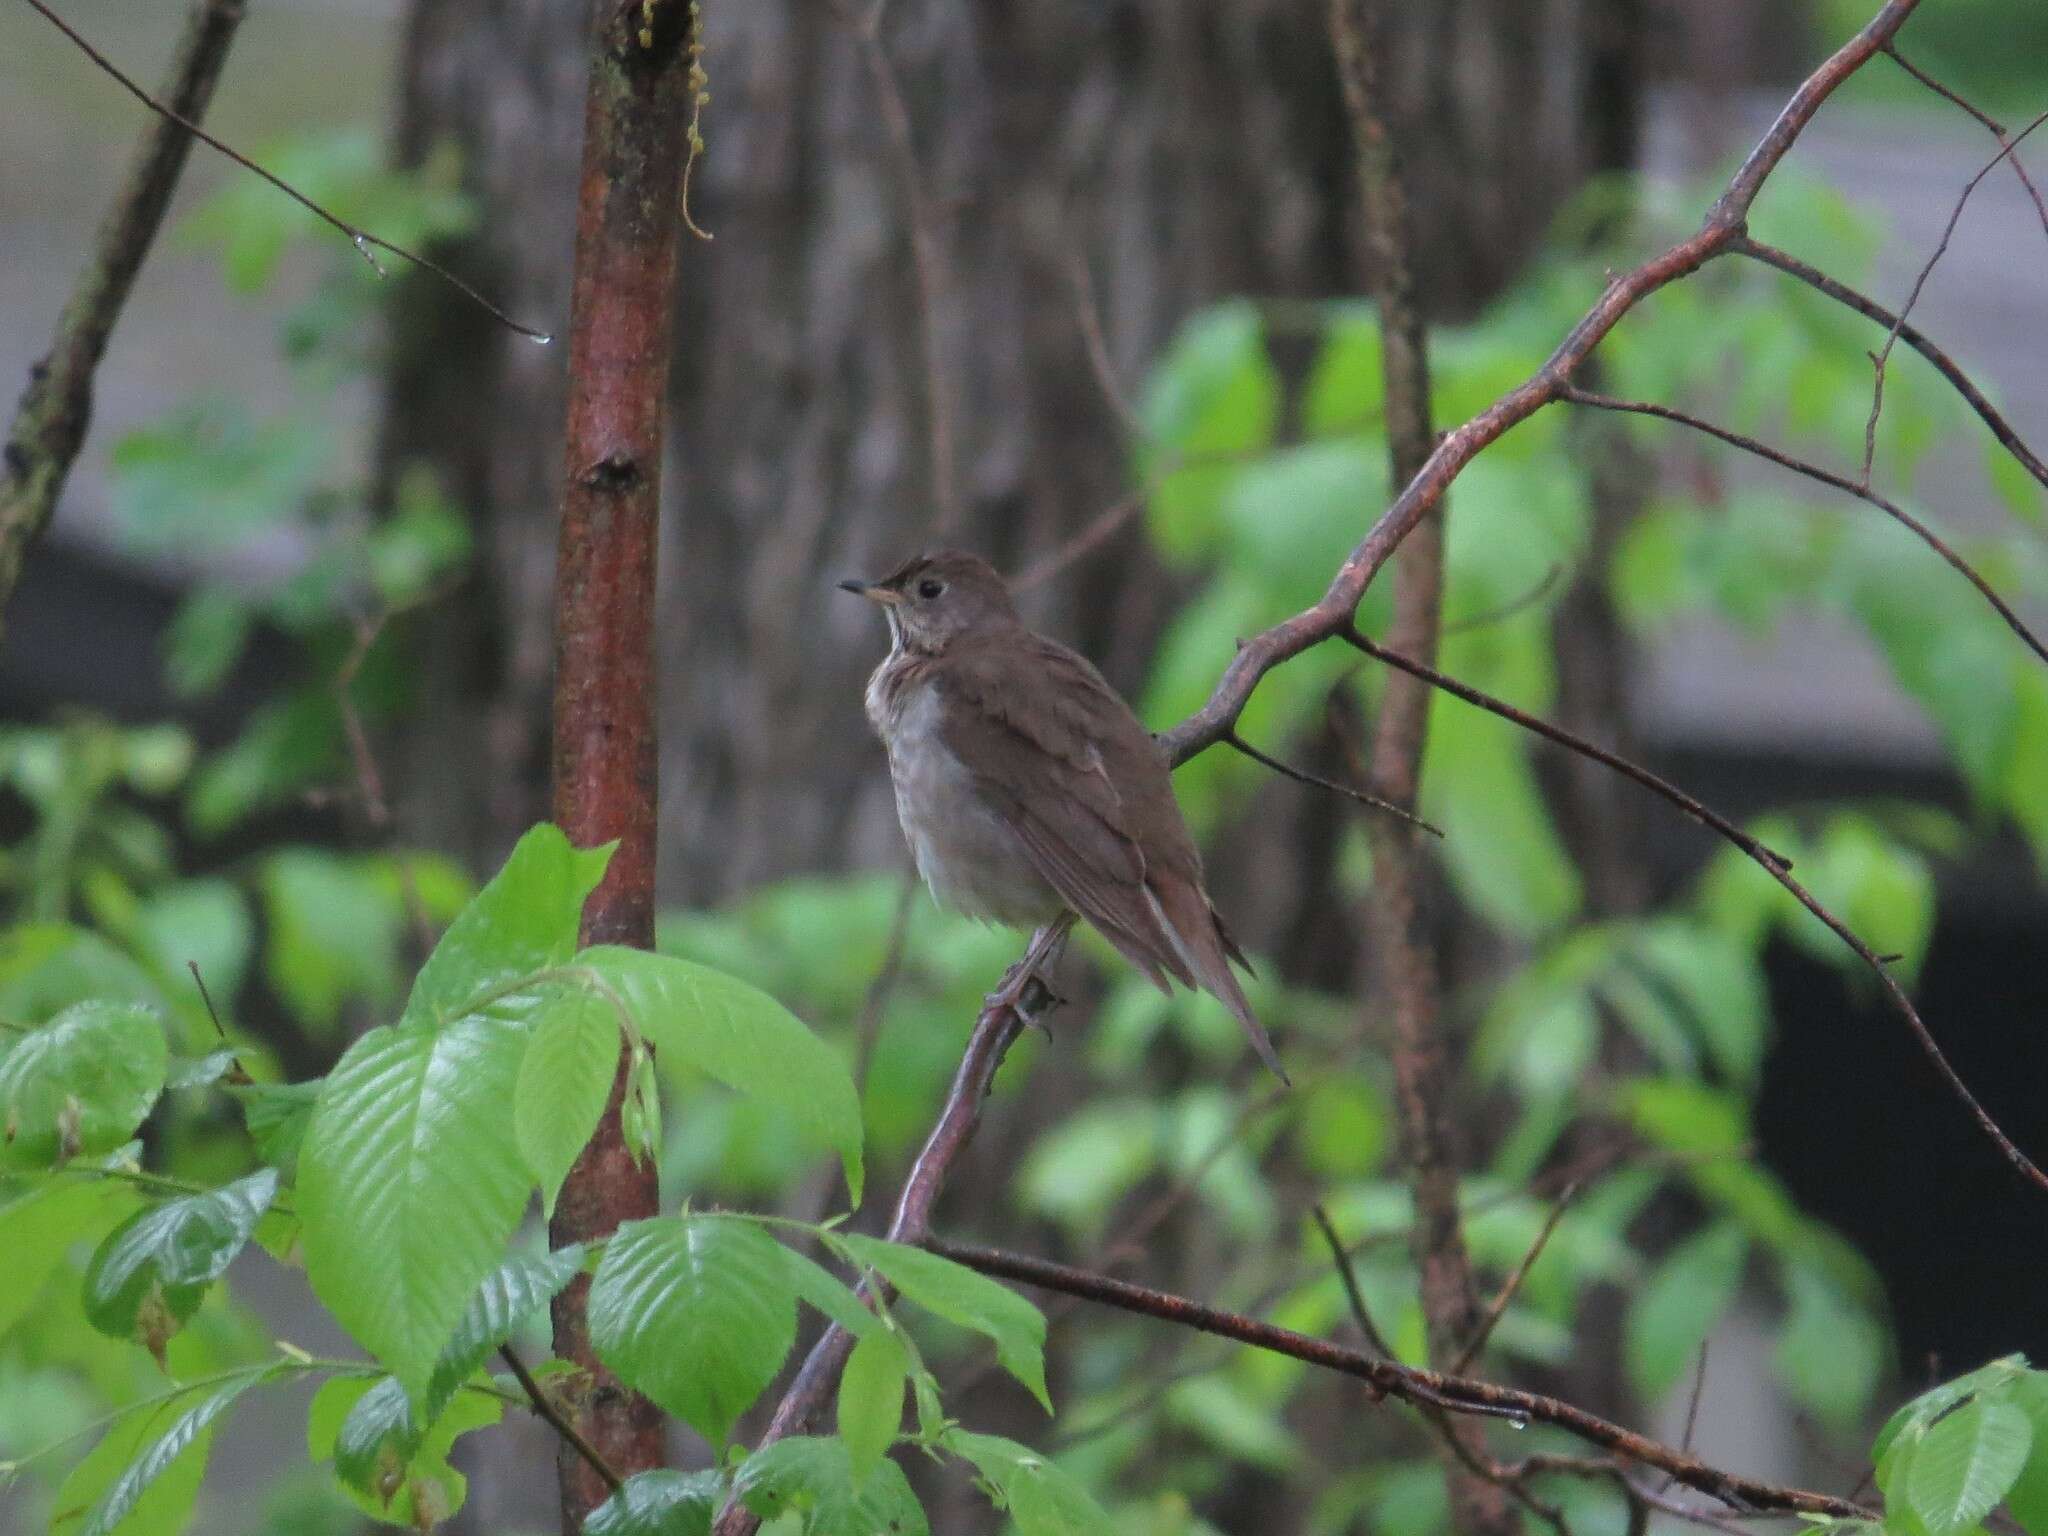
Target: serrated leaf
(153,1270)
(564,1083)
(870,1409)
(181,1452)
(523,921)
(697,1312)
(1680,1304)
(1041,1499)
(1965,1462)
(513,1290)
(2027,1499)
(812,1479)
(661,1503)
(410,1184)
(820,1288)
(79,1084)
(963,1296)
(743,1038)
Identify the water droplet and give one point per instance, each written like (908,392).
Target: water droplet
(1518,1422)
(543,341)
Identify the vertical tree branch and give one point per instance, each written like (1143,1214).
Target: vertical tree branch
(628,218)
(56,407)
(1402,953)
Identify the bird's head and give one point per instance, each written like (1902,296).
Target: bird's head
(934,599)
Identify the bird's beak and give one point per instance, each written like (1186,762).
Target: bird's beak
(888,597)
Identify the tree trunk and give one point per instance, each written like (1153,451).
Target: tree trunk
(1184,151)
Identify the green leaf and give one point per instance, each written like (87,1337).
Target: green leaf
(1720,984)
(156,1491)
(743,1038)
(523,921)
(960,1295)
(564,1083)
(2027,1499)
(697,1312)
(1993,1379)
(871,1399)
(410,1184)
(1214,394)
(661,1503)
(277,1115)
(1675,1311)
(79,1084)
(151,1273)
(513,1290)
(813,1479)
(1831,1351)
(1964,1464)
(1041,1499)
(38,1230)
(332,933)
(1499,843)
(387,1467)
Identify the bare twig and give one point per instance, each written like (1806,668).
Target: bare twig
(1996,128)
(1089,315)
(1317,781)
(925,259)
(1498,1307)
(363,240)
(1882,356)
(1692,1403)
(50,423)
(1773,864)
(1843,294)
(545,1406)
(1353,1296)
(1096,532)
(1455,1394)
(1487,617)
(1827,477)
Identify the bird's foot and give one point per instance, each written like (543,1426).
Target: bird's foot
(1024,988)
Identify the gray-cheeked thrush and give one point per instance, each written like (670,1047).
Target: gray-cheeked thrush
(1029,791)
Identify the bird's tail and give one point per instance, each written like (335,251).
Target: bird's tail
(1206,950)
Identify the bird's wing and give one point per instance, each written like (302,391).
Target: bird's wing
(1060,757)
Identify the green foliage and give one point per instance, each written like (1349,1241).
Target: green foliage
(659,1504)
(812,1480)
(150,1274)
(971,1300)
(79,1084)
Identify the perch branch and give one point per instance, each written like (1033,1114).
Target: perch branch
(50,423)
(545,1406)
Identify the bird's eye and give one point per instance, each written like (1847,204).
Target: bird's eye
(930,587)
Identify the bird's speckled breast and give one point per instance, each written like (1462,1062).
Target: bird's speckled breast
(971,859)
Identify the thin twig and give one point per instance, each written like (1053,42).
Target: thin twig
(1827,477)
(1870,309)
(361,238)
(869,1027)
(49,425)
(1882,356)
(1455,1394)
(926,262)
(1997,128)
(1089,315)
(1303,776)
(1692,1404)
(1096,532)
(1487,617)
(1498,1307)
(1353,1296)
(544,1405)
(1773,864)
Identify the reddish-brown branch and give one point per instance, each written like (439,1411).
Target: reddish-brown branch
(1827,477)
(50,423)
(628,224)
(1947,366)
(363,240)
(1454,1394)
(1723,225)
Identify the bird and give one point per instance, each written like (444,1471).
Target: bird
(1030,793)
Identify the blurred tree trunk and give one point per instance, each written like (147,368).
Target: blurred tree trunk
(1185,150)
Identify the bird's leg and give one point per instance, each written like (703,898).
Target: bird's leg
(1024,987)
